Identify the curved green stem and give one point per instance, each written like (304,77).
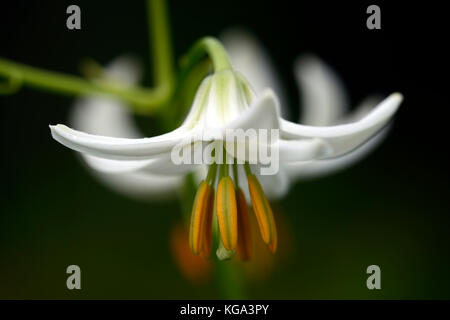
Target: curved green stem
(217,53)
(161,46)
(213,48)
(143,100)
(11,85)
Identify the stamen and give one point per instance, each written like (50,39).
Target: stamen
(207,233)
(244,231)
(263,212)
(227,211)
(200,212)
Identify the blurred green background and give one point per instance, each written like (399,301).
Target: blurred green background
(391,209)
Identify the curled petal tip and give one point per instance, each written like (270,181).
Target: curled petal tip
(388,106)
(398,96)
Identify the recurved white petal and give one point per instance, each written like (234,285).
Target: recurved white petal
(314,169)
(341,139)
(363,109)
(302,150)
(118,148)
(323,95)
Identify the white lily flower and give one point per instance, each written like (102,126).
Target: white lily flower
(324,102)
(225,100)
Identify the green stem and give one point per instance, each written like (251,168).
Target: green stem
(229,280)
(159,34)
(142,100)
(213,48)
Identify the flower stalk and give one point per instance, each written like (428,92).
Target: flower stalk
(211,47)
(142,100)
(161,46)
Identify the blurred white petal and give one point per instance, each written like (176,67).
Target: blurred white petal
(274,186)
(323,96)
(103,116)
(125,69)
(142,186)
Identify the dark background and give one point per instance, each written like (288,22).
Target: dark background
(391,209)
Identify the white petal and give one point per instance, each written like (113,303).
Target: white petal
(341,139)
(324,98)
(363,109)
(249,58)
(262,114)
(125,69)
(118,148)
(165,165)
(302,150)
(115,166)
(200,174)
(315,169)
(275,186)
(225,100)
(103,116)
(142,186)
